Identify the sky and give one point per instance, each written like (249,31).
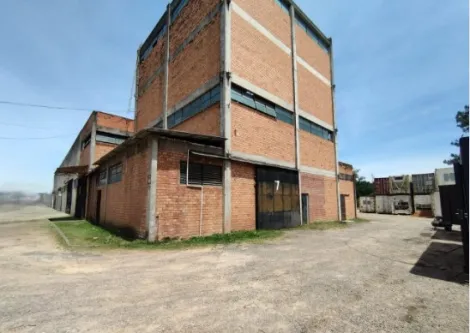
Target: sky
(401,72)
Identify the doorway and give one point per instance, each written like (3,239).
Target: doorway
(305,208)
(98,206)
(343,207)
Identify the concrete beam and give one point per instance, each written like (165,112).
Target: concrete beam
(261,160)
(111,130)
(152,225)
(317,171)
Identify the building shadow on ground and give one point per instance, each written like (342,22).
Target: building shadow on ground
(63,219)
(442,261)
(455,236)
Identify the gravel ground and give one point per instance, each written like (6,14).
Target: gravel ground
(360,279)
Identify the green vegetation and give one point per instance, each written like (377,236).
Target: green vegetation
(86,235)
(461,118)
(324,225)
(360,220)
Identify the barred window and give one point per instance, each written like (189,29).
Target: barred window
(201,174)
(101,180)
(115,173)
(344,176)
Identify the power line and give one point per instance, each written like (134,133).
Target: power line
(53,107)
(24,126)
(41,138)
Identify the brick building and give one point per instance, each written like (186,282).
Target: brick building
(235,126)
(101,133)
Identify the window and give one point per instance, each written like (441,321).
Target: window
(311,127)
(101,180)
(311,33)
(258,103)
(86,141)
(176,11)
(147,50)
(110,138)
(198,105)
(201,174)
(115,173)
(283,5)
(345,176)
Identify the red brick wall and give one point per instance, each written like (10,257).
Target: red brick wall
(323,202)
(198,62)
(123,204)
(114,121)
(347,188)
(314,95)
(316,152)
(179,206)
(102,149)
(149,104)
(243,197)
(256,133)
(309,51)
(260,61)
(270,16)
(207,122)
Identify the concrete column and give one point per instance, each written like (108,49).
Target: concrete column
(152,226)
(92,143)
(296,104)
(166,68)
(335,132)
(225,108)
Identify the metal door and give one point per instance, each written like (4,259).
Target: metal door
(277,199)
(305,208)
(68,202)
(451,201)
(343,207)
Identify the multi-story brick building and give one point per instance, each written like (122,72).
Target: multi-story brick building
(252,83)
(101,133)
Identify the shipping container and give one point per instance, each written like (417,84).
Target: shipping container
(423,183)
(436,204)
(444,176)
(381,186)
(423,205)
(367,204)
(400,184)
(383,204)
(401,204)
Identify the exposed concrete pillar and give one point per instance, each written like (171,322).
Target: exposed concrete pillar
(225,108)
(166,68)
(335,132)
(296,104)
(92,142)
(152,226)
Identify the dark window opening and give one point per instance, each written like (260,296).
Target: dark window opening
(201,174)
(115,173)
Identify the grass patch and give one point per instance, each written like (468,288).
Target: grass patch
(360,220)
(86,235)
(324,225)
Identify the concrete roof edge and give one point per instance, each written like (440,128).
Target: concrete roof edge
(310,23)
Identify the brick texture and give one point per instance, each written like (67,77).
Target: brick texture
(314,95)
(260,61)
(207,122)
(347,188)
(149,104)
(323,202)
(243,197)
(197,63)
(316,152)
(309,51)
(114,121)
(269,15)
(179,206)
(153,62)
(256,133)
(102,149)
(123,204)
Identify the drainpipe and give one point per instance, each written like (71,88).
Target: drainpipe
(296,105)
(165,68)
(335,134)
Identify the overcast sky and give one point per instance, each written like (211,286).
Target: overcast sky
(401,72)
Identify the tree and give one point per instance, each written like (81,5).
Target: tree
(462,122)
(363,187)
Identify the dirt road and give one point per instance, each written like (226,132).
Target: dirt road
(360,279)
